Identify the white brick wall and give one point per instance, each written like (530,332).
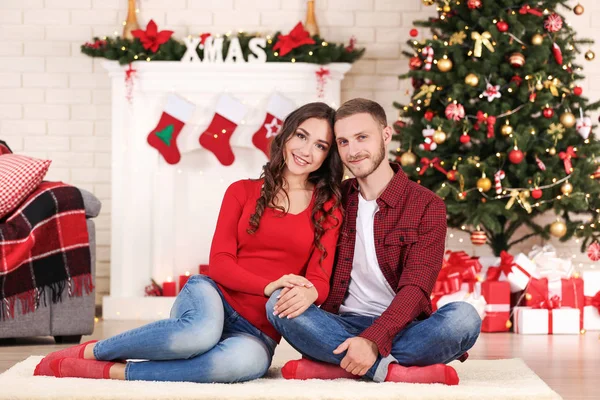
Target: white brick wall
(55,102)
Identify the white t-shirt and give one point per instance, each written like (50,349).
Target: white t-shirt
(369,293)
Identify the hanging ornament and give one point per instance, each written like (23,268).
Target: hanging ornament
(593,251)
(451,175)
(429,144)
(455,111)
(567,119)
(428,2)
(557,54)
(492,92)
(415,63)
(537,39)
(539,85)
(507,129)
(540,163)
(474,4)
(439,136)
(566,157)
(457,38)
(429,115)
(414,33)
(577,90)
(583,126)
(536,193)
(517,60)
(498,176)
(556,130)
(578,9)
(428,53)
(516,156)
(502,26)
(445,64)
(478,238)
(552,151)
(532,97)
(558,229)
(472,80)
(482,39)
(548,112)
(484,184)
(465,138)
(566,188)
(553,23)
(596,174)
(489,120)
(590,55)
(408,158)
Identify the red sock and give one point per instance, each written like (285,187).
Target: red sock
(437,373)
(163,138)
(308,369)
(215,138)
(277,109)
(78,368)
(43,368)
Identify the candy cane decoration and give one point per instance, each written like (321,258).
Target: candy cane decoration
(557,54)
(498,176)
(540,163)
(428,53)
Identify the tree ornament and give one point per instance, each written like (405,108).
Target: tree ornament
(593,251)
(557,53)
(578,9)
(429,144)
(577,90)
(517,60)
(584,127)
(492,92)
(408,158)
(558,229)
(455,111)
(516,156)
(507,129)
(540,163)
(462,196)
(553,23)
(596,174)
(566,188)
(428,2)
(414,33)
(539,85)
(428,52)
(567,119)
(415,63)
(552,151)
(536,193)
(465,138)
(484,184)
(439,136)
(548,112)
(472,80)
(445,64)
(478,238)
(498,176)
(590,55)
(429,115)
(537,39)
(502,26)
(532,97)
(474,4)
(446,8)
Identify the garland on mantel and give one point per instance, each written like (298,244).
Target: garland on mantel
(142,48)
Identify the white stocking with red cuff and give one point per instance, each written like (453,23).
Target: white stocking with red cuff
(278,108)
(216,138)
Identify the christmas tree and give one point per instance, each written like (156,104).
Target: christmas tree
(497,124)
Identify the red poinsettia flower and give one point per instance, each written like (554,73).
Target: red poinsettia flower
(152,39)
(296,38)
(96,45)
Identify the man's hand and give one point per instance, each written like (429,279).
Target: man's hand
(294,301)
(360,356)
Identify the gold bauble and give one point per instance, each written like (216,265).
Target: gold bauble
(446,8)
(428,2)
(590,55)
(567,119)
(537,39)
(578,9)
(484,184)
(506,130)
(552,151)
(566,188)
(408,158)
(558,229)
(472,80)
(508,324)
(439,136)
(444,65)
(539,86)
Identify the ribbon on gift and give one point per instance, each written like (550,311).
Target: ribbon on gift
(434,162)
(548,304)
(545,249)
(458,268)
(507,263)
(488,120)
(568,291)
(482,39)
(593,301)
(566,156)
(527,9)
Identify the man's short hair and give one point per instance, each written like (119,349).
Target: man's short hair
(359,106)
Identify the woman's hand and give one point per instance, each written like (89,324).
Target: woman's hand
(287,281)
(294,301)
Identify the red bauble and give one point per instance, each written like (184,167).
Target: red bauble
(536,193)
(502,26)
(415,63)
(414,33)
(451,175)
(465,138)
(429,115)
(548,112)
(473,4)
(516,156)
(577,90)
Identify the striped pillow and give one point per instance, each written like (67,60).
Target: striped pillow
(19,177)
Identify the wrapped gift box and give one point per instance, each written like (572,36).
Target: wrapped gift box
(591,290)
(541,321)
(497,309)
(570,291)
(516,270)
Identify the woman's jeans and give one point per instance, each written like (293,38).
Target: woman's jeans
(204,340)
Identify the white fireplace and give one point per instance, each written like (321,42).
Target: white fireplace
(163,216)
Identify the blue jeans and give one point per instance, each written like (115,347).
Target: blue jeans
(204,340)
(443,337)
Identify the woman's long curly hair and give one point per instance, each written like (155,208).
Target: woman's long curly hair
(327,179)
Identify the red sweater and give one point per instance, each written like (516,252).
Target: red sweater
(243,264)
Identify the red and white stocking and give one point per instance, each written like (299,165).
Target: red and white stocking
(216,137)
(278,108)
(163,138)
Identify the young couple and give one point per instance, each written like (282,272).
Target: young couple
(367,251)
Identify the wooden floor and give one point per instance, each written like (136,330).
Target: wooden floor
(569,364)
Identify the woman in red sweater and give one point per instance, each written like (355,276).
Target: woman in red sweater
(279,231)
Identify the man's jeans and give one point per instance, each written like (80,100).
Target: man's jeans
(204,340)
(443,337)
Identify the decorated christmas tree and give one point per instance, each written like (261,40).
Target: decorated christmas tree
(497,124)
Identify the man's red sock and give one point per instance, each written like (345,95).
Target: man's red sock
(43,368)
(307,369)
(437,373)
(80,368)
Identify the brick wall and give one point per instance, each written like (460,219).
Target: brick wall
(55,102)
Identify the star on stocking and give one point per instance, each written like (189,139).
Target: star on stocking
(272,128)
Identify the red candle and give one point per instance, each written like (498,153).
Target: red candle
(169,288)
(183,279)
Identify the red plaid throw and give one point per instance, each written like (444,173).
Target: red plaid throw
(44,245)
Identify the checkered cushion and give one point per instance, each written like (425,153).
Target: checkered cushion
(19,177)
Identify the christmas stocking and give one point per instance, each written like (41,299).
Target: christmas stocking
(278,108)
(228,115)
(163,138)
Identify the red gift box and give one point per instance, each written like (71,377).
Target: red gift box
(458,269)
(497,310)
(569,291)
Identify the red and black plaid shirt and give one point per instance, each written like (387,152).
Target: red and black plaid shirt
(410,233)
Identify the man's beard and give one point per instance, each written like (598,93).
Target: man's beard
(375,163)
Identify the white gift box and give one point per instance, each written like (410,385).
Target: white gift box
(517,278)
(475,298)
(591,286)
(534,321)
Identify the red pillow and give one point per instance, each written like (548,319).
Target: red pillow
(19,177)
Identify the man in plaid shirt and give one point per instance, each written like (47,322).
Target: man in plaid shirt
(377,321)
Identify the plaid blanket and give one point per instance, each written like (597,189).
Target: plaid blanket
(44,245)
